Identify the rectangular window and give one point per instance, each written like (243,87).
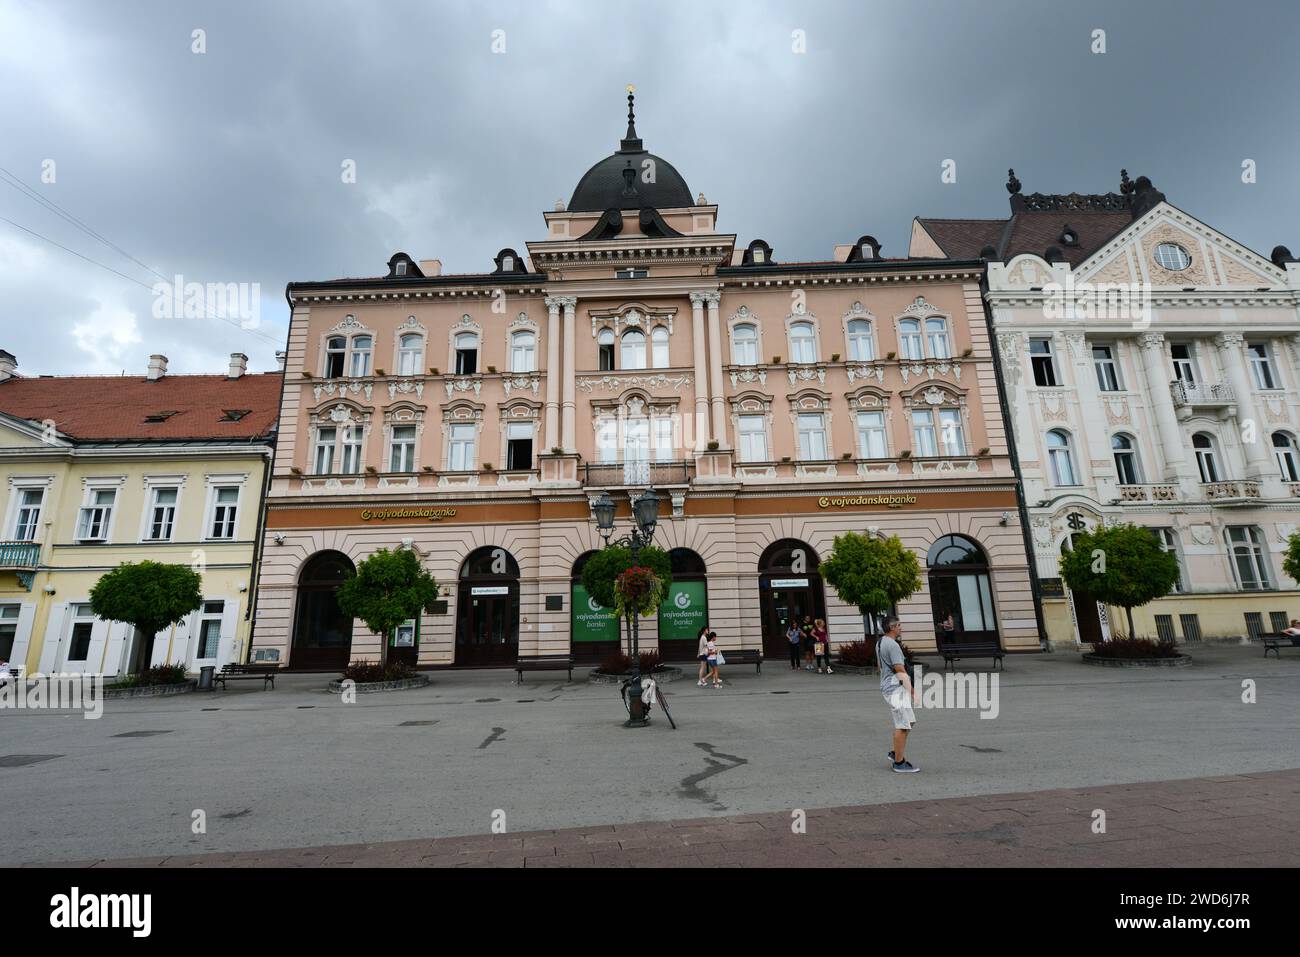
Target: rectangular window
(361,356)
(460,447)
(92,524)
(923,438)
(812,438)
(401,456)
(631,273)
(951,435)
(350,451)
(210,629)
(519,445)
(1260,366)
(753,438)
(1040,357)
(8,632)
(82,626)
(1184,363)
(323,460)
(607,440)
(1103,360)
(467,361)
(162,514)
(1169,543)
(1246,546)
(29,514)
(871,435)
(663,437)
(225,503)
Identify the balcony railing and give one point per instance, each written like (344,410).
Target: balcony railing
(22,558)
(1233,490)
(1148,493)
(636,473)
(1201,395)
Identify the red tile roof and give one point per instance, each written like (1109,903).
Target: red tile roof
(1031,231)
(114,408)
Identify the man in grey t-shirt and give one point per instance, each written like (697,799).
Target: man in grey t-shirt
(896,686)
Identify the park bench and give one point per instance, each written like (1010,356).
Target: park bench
(1275,641)
(744,656)
(543,663)
(957,650)
(237,672)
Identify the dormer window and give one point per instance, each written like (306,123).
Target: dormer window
(1068,236)
(160,416)
(401,267)
(233,415)
(759,256)
(867,251)
(507,263)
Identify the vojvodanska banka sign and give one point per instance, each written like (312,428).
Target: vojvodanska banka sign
(432,514)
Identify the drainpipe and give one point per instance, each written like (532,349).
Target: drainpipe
(1034,584)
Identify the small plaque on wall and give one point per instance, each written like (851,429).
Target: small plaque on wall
(1051,587)
(555,603)
(438,607)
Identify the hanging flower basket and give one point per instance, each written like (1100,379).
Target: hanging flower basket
(637,591)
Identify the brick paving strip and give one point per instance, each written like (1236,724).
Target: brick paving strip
(1234,821)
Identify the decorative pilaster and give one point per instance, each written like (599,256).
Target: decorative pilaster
(1232,349)
(1156,371)
(716,399)
(1092,416)
(568,414)
(702,390)
(552,374)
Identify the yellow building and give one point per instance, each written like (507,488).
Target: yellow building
(100,470)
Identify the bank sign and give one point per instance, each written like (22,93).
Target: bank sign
(684,611)
(592,622)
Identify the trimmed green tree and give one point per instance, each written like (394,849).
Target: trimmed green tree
(601,571)
(1291,562)
(872,574)
(1123,565)
(388,588)
(150,596)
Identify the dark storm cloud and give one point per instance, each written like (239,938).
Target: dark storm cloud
(225,166)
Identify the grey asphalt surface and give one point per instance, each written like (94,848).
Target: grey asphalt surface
(296,767)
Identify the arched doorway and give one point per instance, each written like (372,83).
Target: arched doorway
(594,630)
(487,608)
(960,586)
(789,586)
(1086,610)
(685,608)
(322,634)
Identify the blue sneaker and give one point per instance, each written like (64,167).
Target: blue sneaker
(904,767)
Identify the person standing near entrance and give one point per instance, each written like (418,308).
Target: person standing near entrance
(807,629)
(896,686)
(822,646)
(795,639)
(713,658)
(702,652)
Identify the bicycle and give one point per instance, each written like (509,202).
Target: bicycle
(655,694)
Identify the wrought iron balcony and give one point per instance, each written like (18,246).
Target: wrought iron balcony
(1206,396)
(636,473)
(23,558)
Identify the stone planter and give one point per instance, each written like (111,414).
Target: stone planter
(151,691)
(419,681)
(664,675)
(840,666)
(1179,661)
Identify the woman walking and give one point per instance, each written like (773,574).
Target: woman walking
(822,646)
(702,652)
(795,638)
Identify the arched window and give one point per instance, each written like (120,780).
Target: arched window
(605,344)
(1126,460)
(1288,459)
(410,354)
(803,342)
(1207,460)
(861,346)
(960,587)
(523,352)
(659,347)
(1061,458)
(489,562)
(336,348)
(466,344)
(361,349)
(909,339)
(744,345)
(634,349)
(1247,546)
(936,338)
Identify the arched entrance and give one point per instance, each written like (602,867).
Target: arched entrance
(487,609)
(1085,610)
(789,586)
(322,634)
(960,586)
(685,608)
(593,629)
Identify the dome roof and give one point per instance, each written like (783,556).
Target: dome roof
(607,185)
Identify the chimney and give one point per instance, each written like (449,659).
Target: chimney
(238,365)
(157,367)
(8,366)
(280,358)
(431,267)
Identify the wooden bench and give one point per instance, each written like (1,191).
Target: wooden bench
(1275,641)
(250,672)
(957,650)
(744,656)
(543,663)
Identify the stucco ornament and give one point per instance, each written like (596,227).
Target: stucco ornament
(1202,534)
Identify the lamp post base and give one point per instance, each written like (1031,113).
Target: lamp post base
(637,723)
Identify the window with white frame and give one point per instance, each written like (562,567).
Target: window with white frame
(323,454)
(1042,362)
(350,450)
(209,635)
(659,347)
(460,447)
(1103,361)
(936,338)
(1261,366)
(924,442)
(952,437)
(336,350)
(909,339)
(744,344)
(401,449)
(1207,458)
(83,626)
(523,352)
(466,345)
(862,347)
(803,342)
(8,631)
(812,437)
(938,432)
(1061,458)
(605,346)
(1184,362)
(633,349)
(362,347)
(410,354)
(1169,542)
(162,513)
(519,445)
(1249,561)
(663,438)
(872,442)
(1288,458)
(752,434)
(607,439)
(27,521)
(96,514)
(225,507)
(1126,459)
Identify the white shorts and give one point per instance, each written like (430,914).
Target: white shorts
(900,706)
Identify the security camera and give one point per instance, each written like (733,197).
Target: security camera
(278,538)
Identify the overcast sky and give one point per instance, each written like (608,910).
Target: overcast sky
(225,166)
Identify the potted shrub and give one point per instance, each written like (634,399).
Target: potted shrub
(713,445)
(1124,565)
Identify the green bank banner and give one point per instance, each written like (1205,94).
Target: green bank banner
(684,611)
(592,622)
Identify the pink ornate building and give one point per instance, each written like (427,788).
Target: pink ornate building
(771,404)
